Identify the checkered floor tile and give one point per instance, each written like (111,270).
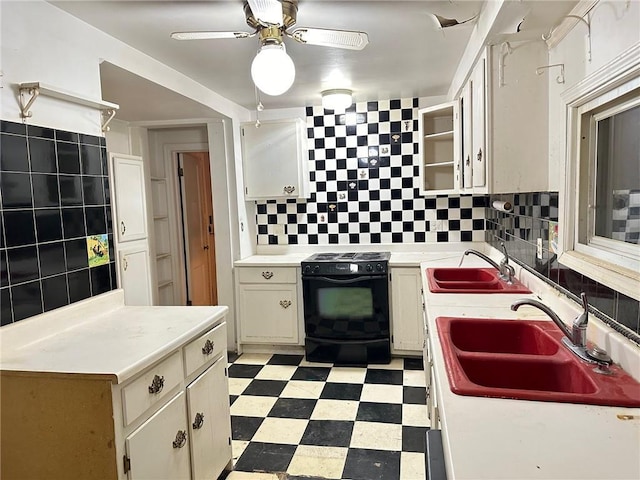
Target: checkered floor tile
(317,421)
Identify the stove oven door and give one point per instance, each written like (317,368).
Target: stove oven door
(346,307)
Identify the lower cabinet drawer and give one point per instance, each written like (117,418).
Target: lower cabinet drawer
(151,387)
(267,274)
(207,347)
(159,448)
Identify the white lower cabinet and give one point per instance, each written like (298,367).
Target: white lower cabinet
(209,426)
(135,275)
(157,448)
(406,309)
(269,305)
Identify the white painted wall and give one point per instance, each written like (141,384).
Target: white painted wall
(43,43)
(615,27)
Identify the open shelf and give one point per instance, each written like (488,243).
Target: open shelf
(448,135)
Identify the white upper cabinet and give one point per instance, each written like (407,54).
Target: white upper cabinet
(505,121)
(275,161)
(439,149)
(130,197)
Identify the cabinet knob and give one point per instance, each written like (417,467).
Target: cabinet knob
(267,275)
(467,161)
(479,156)
(289,189)
(198,421)
(157,384)
(123,227)
(285,303)
(208,347)
(181,439)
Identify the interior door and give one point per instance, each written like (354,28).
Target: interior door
(197,211)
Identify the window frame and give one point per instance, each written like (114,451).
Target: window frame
(598,258)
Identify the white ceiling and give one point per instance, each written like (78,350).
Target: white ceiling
(406,56)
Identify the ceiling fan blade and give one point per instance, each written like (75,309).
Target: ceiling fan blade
(266,12)
(347,39)
(209,35)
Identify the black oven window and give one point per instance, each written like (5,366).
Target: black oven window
(339,302)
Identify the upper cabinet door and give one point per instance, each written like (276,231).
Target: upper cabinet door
(479,151)
(274,158)
(130,197)
(466,116)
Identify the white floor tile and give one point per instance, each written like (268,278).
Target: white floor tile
(377,436)
(347,375)
(254,358)
(395,364)
(415,415)
(302,389)
(281,430)
(412,466)
(237,385)
(276,372)
(414,378)
(251,476)
(325,462)
(381,393)
(335,410)
(252,406)
(237,447)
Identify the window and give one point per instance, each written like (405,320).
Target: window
(601,198)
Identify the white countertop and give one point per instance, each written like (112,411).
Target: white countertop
(493,438)
(101,336)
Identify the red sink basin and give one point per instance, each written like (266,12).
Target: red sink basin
(525,360)
(499,336)
(470,280)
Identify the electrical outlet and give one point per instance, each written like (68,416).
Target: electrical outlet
(539,248)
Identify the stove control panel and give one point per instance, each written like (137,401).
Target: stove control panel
(344,268)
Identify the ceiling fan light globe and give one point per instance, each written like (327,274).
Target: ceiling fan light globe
(272,70)
(337,100)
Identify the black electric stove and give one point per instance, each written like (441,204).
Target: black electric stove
(346,307)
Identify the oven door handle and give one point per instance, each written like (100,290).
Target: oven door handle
(347,281)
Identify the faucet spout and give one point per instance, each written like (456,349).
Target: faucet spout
(550,313)
(482,256)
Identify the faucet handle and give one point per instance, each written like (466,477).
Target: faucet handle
(583,318)
(506,254)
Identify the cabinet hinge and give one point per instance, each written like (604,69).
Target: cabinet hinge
(246,190)
(226,372)
(389,276)
(180,172)
(391,338)
(127,463)
(229,440)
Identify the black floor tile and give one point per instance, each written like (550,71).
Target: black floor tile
(265,388)
(293,408)
(313,374)
(244,428)
(232,357)
(244,371)
(414,395)
(386,377)
(232,398)
(413,438)
(364,464)
(342,391)
(380,412)
(413,364)
(265,457)
(278,359)
(328,433)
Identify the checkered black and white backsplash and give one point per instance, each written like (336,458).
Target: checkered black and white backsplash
(364,185)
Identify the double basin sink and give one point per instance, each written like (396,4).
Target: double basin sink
(518,359)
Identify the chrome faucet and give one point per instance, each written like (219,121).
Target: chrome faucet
(576,338)
(507,272)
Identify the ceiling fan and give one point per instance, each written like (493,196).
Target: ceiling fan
(272,69)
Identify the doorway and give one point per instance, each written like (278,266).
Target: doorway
(194,176)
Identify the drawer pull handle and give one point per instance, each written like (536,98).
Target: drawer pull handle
(123,228)
(125,264)
(198,421)
(289,189)
(157,384)
(285,303)
(208,347)
(181,439)
(267,275)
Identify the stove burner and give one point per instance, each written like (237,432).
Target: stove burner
(349,257)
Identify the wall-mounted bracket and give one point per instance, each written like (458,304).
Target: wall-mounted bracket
(587,22)
(33,90)
(505,49)
(559,78)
